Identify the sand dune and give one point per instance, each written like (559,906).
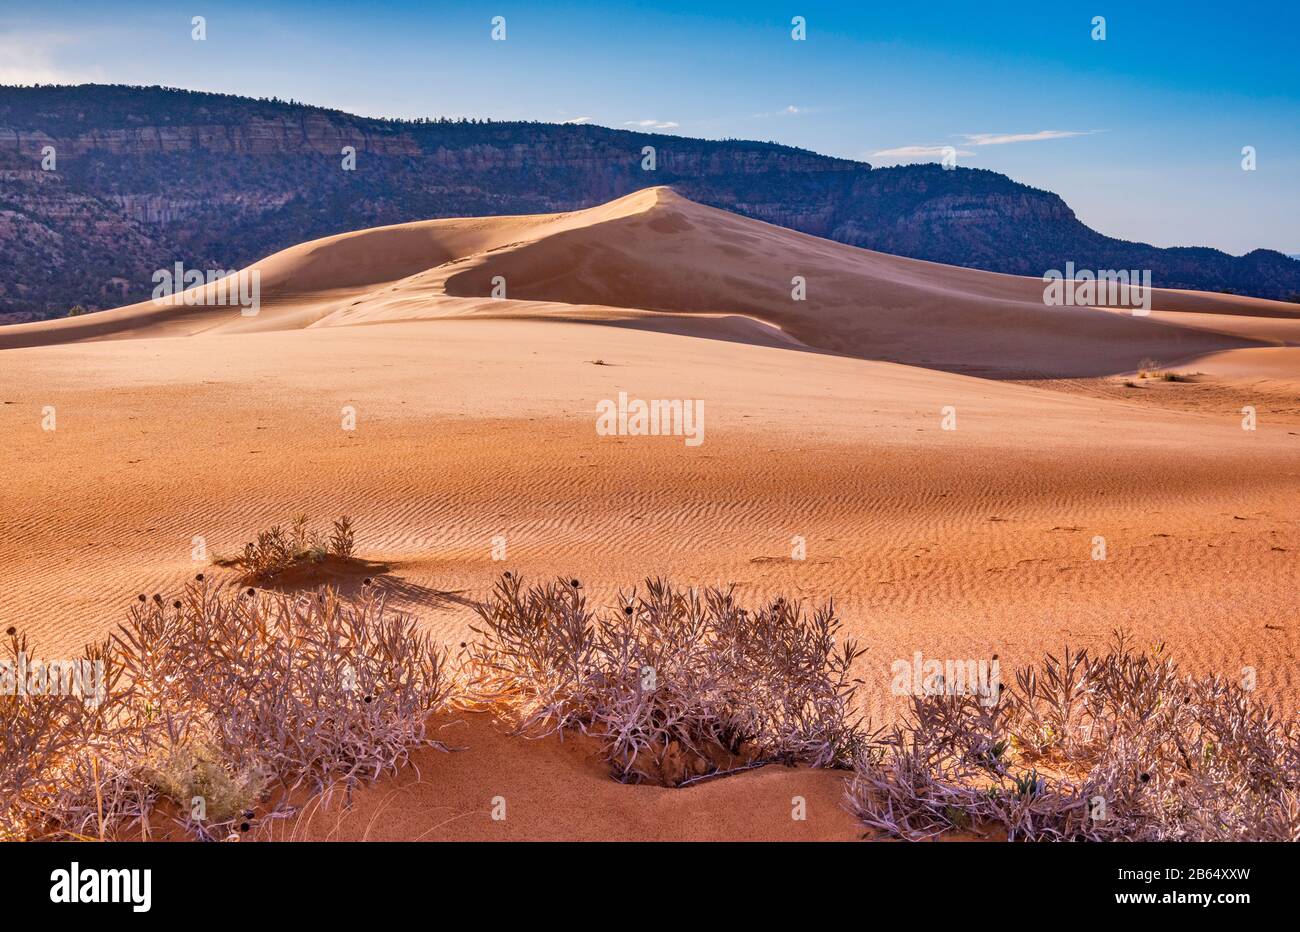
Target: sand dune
(824,420)
(654,251)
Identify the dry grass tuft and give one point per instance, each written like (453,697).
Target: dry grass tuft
(188,773)
(678,684)
(276,551)
(1121,746)
(214,701)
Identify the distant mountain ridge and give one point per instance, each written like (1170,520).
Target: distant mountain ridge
(145,177)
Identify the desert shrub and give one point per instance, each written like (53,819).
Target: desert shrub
(1121,746)
(228,695)
(1147,367)
(196,772)
(677,684)
(36,732)
(276,550)
(62,752)
(313,689)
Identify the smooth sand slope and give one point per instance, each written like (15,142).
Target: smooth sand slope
(475,419)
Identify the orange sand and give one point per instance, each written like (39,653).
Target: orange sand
(476,419)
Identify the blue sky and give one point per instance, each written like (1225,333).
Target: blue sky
(1141,133)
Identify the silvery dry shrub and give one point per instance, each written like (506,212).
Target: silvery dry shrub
(313,687)
(1120,746)
(36,735)
(230,695)
(677,683)
(65,762)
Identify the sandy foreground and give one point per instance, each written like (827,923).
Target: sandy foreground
(823,420)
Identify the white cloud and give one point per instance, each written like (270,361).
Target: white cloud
(791,111)
(980,139)
(578,120)
(919,152)
(652,124)
(996,139)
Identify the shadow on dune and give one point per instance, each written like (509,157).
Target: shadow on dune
(409,593)
(350,576)
(704,272)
